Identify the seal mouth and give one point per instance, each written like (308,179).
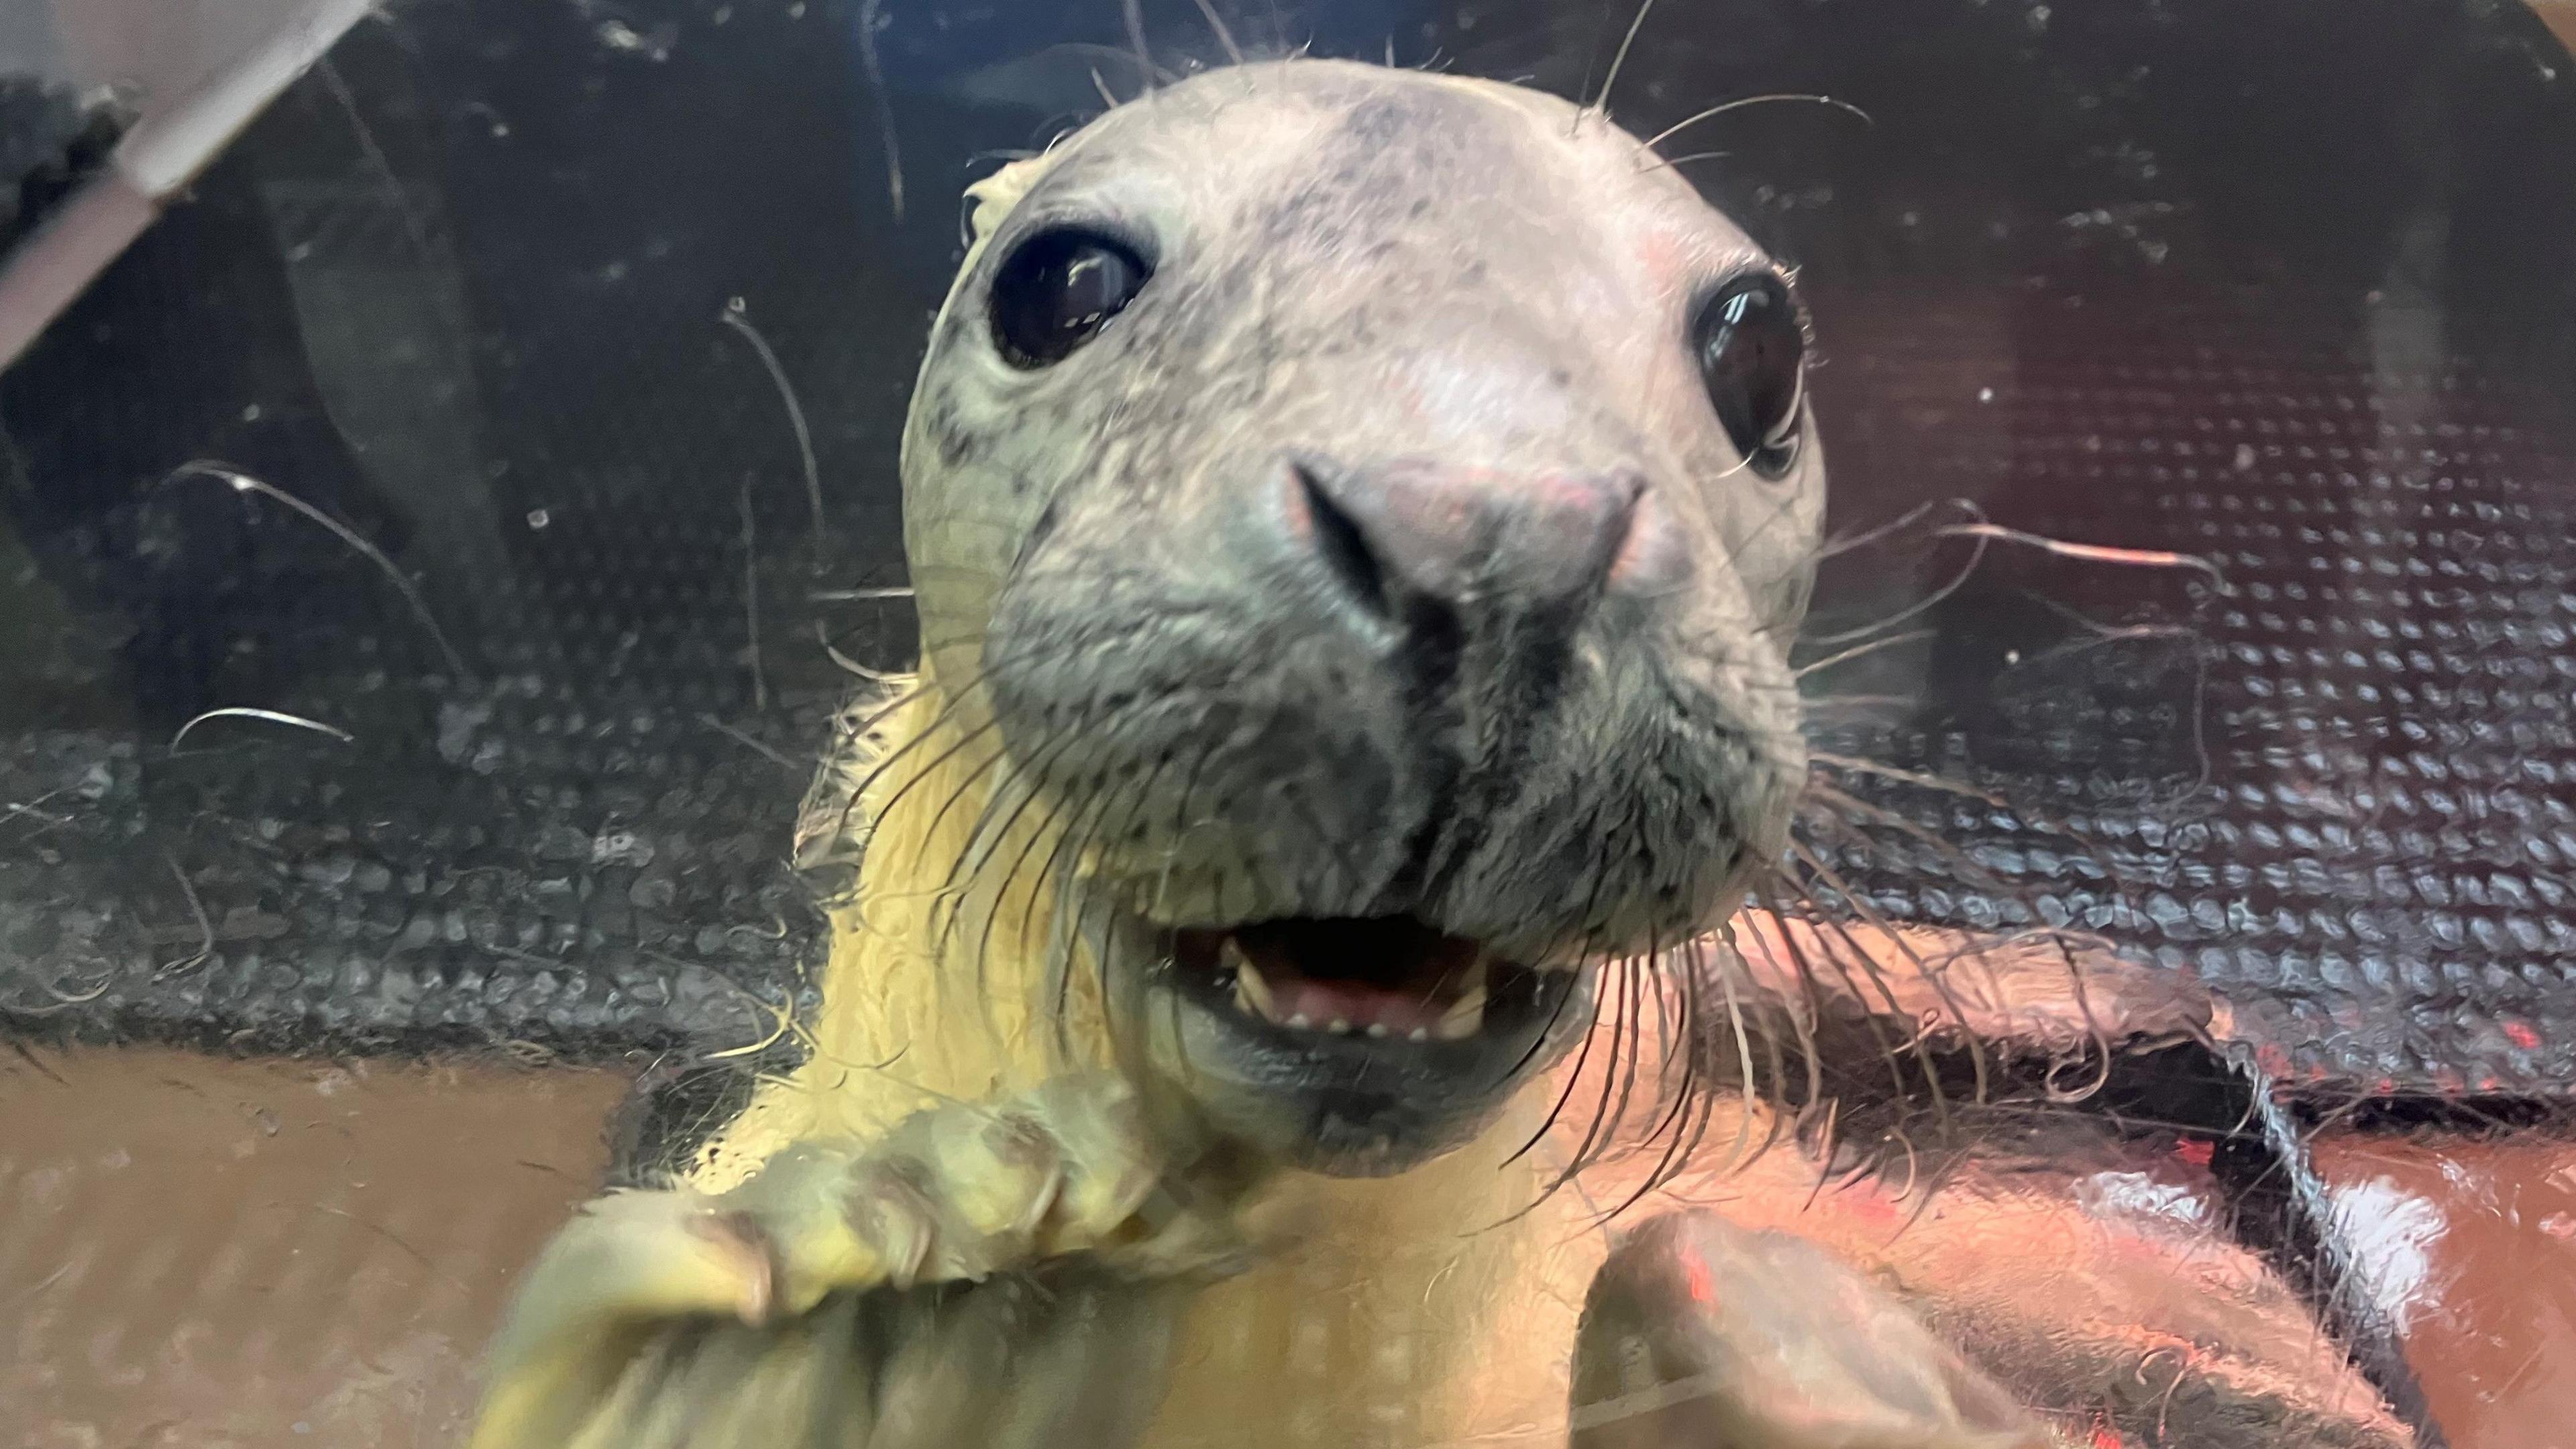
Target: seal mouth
(1383,984)
(1355,1046)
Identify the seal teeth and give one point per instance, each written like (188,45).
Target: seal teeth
(1251,989)
(1465,1018)
(1300,1005)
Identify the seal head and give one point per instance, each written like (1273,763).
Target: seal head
(1372,508)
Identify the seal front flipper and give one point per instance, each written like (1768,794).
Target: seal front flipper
(659,1284)
(1697,1334)
(626,1264)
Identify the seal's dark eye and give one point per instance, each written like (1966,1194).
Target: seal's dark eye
(1057,291)
(1752,355)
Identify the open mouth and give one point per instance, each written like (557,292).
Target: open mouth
(1379,979)
(1359,1045)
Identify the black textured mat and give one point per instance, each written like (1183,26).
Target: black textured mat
(2336,786)
(2284,285)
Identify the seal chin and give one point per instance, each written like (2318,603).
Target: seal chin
(1355,1046)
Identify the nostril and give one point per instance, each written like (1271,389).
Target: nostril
(1343,547)
(1648,553)
(1619,531)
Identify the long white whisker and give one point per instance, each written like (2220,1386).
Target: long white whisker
(1224,36)
(1601,102)
(1720,109)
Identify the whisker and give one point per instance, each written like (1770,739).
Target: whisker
(1845,804)
(1047,869)
(737,316)
(1833,547)
(1130,1054)
(1053,825)
(1601,101)
(847,665)
(1677,1150)
(851,740)
(1582,1055)
(1149,71)
(244,483)
(1609,1080)
(1675,163)
(1856,703)
(1744,1062)
(1833,880)
(929,768)
(1910,777)
(1134,13)
(1633,984)
(1537,1044)
(1065,935)
(1813,1004)
(751,603)
(1933,600)
(750,742)
(929,730)
(2153,558)
(1720,109)
(1806,970)
(875,70)
(1224,37)
(273,716)
(946,901)
(1915,636)
(981,854)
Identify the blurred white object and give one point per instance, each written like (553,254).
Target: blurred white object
(194,72)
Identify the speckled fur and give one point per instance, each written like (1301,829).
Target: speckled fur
(1386,267)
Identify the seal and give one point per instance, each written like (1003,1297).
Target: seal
(1357,518)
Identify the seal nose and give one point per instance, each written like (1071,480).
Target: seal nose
(1518,543)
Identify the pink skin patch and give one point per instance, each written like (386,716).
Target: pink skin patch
(1655,557)
(1297,520)
(1362,1005)
(1665,257)
(2521,1035)
(1701,1284)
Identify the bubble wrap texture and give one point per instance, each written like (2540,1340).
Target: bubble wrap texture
(2342,792)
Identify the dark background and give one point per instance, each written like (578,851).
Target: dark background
(2289,284)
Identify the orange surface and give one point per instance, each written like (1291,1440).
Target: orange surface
(2560,17)
(211,1253)
(2473,1243)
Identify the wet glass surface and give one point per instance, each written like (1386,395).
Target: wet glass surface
(433,555)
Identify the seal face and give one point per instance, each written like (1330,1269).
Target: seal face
(1372,507)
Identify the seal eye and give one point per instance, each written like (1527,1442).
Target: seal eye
(1057,291)
(1752,355)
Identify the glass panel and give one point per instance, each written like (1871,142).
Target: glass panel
(1441,885)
